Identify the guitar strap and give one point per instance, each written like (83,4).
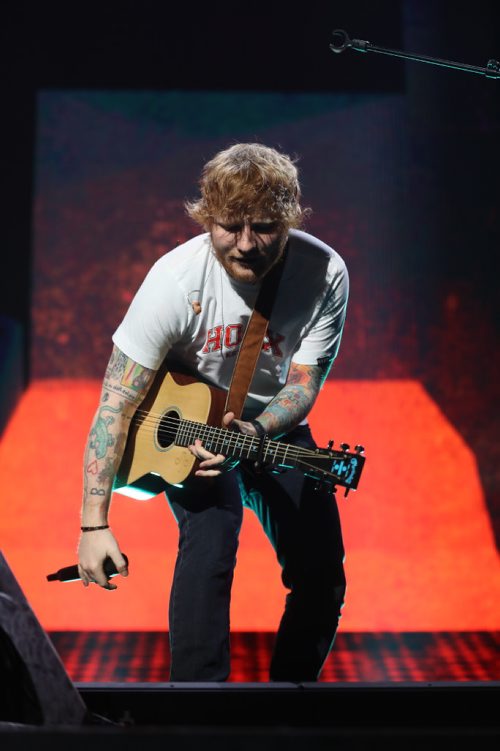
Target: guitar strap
(251,344)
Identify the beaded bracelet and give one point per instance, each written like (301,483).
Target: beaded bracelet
(91,529)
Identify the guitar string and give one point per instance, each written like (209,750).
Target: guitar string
(249,439)
(191,426)
(233,440)
(222,436)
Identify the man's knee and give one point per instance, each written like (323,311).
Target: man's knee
(327,593)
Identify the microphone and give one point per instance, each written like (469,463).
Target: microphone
(70,573)
(342,42)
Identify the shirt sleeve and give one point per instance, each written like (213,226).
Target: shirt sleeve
(322,341)
(156,319)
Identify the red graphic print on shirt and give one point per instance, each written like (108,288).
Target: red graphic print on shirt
(230,336)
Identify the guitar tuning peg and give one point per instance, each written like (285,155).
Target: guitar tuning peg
(359,449)
(344,446)
(330,444)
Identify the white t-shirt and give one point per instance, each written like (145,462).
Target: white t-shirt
(190,309)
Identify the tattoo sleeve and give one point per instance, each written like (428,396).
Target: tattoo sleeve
(294,401)
(125,385)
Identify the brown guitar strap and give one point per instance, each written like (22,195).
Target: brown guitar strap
(251,344)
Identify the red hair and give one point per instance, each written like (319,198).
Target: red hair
(248,180)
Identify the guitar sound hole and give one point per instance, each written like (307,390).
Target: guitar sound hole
(167,429)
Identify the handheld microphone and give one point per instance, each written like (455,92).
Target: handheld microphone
(70,573)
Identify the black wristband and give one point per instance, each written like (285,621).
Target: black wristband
(260,429)
(91,529)
(261,435)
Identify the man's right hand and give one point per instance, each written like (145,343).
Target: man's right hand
(93,548)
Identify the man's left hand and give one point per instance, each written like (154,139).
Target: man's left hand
(211,464)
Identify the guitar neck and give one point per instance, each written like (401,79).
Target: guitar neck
(237,445)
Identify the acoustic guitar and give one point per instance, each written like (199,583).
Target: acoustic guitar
(178,409)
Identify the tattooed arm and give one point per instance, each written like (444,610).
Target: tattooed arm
(284,412)
(295,400)
(125,385)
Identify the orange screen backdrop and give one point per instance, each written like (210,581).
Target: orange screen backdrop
(415,381)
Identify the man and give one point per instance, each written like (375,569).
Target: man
(192,308)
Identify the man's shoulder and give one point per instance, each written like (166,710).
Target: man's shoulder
(310,250)
(186,264)
(187,253)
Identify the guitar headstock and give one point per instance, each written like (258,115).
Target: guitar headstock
(335,467)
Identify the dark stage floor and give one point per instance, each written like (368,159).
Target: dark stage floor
(274,717)
(385,691)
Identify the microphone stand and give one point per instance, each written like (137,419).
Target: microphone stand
(342,42)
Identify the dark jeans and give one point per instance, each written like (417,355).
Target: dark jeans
(303,525)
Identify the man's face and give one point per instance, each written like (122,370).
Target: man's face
(247,250)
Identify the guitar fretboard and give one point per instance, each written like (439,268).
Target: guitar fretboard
(236,445)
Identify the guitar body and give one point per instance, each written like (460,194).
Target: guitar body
(151,460)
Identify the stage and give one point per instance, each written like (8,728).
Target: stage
(278,716)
